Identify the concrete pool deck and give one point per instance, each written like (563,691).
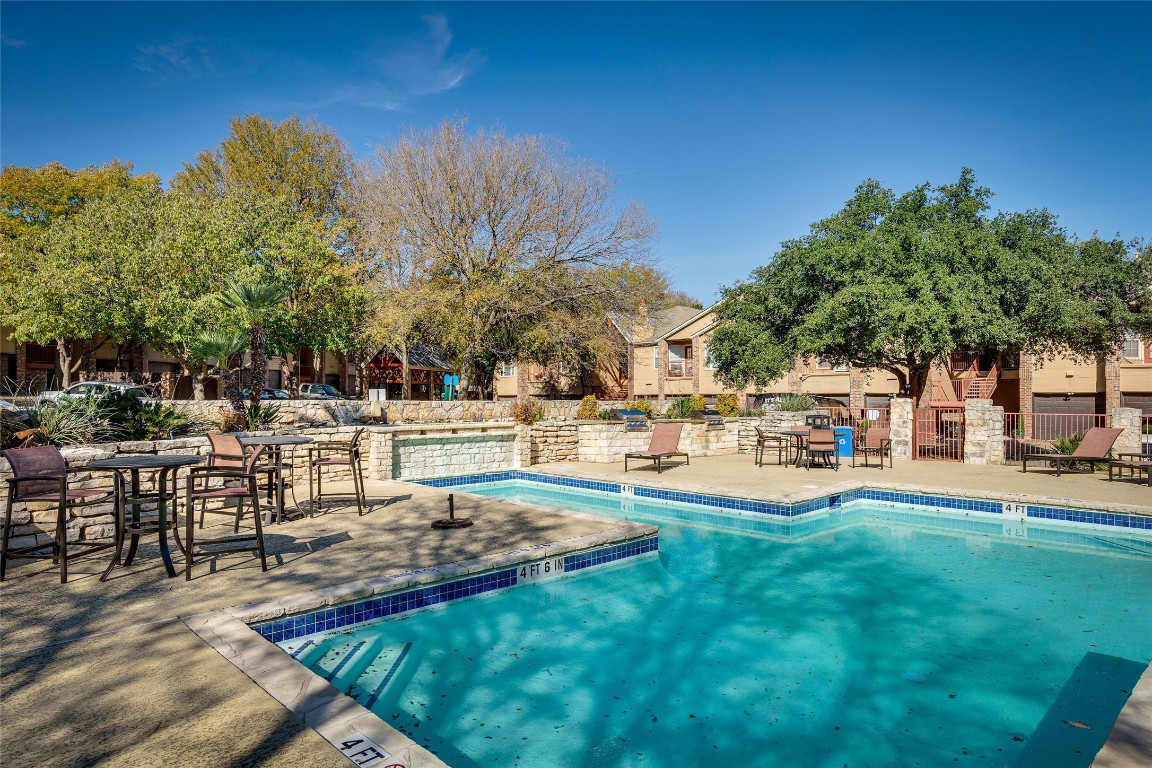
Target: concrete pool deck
(108,674)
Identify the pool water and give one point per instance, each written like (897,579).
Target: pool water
(866,637)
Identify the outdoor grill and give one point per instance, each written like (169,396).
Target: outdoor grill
(634,420)
(711,418)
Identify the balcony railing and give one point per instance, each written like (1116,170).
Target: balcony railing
(678,369)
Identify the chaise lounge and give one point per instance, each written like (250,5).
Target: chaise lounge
(1096,445)
(665,444)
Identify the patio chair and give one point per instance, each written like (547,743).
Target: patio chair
(822,443)
(1096,445)
(1135,463)
(664,444)
(336,453)
(228,453)
(768,441)
(818,420)
(244,490)
(878,441)
(40,474)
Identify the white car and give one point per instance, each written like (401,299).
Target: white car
(94,389)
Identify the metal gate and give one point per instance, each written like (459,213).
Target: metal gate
(938,433)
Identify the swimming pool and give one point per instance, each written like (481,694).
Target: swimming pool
(863,635)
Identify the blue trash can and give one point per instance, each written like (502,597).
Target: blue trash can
(843,441)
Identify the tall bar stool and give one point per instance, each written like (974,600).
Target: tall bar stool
(228,453)
(246,490)
(41,474)
(766,441)
(335,453)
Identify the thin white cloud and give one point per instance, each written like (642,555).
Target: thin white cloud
(408,69)
(183,58)
(12,42)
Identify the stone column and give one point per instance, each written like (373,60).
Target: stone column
(1112,399)
(1129,420)
(521,379)
(901,423)
(379,454)
(522,447)
(983,432)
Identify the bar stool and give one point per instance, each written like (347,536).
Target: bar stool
(335,453)
(228,453)
(766,441)
(246,490)
(41,474)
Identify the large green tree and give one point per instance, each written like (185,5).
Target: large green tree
(893,283)
(301,161)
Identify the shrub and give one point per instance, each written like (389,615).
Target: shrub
(682,407)
(728,405)
(641,405)
(757,412)
(604,414)
(133,419)
(527,411)
(795,402)
(588,409)
(262,416)
(67,421)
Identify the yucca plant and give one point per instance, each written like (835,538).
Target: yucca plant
(68,421)
(262,415)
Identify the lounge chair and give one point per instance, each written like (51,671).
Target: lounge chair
(1096,445)
(664,445)
(1135,463)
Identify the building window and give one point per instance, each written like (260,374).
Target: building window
(1133,348)
(507,370)
(656,358)
(709,361)
(827,365)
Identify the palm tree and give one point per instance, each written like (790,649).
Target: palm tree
(220,349)
(255,304)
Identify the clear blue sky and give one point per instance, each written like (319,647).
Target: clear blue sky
(737,125)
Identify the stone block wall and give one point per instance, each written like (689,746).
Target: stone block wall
(294,414)
(554,441)
(900,418)
(606,442)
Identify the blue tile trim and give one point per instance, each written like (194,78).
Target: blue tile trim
(836,501)
(369,609)
(582,560)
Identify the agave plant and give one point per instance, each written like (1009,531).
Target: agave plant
(68,421)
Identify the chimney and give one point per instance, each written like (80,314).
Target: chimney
(642,329)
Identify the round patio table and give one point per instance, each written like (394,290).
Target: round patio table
(130,497)
(276,444)
(798,435)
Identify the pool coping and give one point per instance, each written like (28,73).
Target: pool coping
(350,727)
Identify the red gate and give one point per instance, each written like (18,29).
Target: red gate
(938,433)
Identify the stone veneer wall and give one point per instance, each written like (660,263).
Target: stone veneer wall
(554,441)
(1128,419)
(605,442)
(307,413)
(900,419)
(983,432)
(418,457)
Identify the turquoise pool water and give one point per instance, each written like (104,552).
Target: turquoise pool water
(867,637)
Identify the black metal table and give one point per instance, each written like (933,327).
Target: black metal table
(130,497)
(276,444)
(798,435)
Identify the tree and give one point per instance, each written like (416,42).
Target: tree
(83,278)
(298,160)
(512,234)
(32,198)
(255,304)
(893,283)
(222,350)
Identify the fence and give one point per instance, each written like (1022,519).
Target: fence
(1038,432)
(860,419)
(938,433)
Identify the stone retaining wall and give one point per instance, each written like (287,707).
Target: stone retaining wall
(604,442)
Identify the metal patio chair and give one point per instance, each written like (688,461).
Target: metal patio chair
(237,484)
(336,453)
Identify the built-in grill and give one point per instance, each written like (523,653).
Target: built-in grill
(634,420)
(711,418)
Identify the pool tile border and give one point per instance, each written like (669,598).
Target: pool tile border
(820,503)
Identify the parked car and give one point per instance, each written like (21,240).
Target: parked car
(11,409)
(322,392)
(268,393)
(95,389)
